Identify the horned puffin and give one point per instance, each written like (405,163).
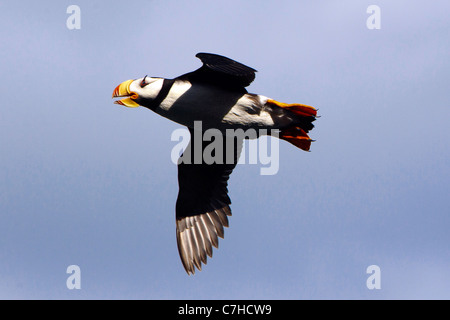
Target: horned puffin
(216,95)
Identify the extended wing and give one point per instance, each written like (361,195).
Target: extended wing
(222,71)
(202,207)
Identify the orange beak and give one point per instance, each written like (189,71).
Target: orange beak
(123,90)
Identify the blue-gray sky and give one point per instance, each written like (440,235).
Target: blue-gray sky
(90,183)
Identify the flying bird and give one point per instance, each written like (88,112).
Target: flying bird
(216,95)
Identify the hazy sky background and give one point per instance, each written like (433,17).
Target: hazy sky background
(90,183)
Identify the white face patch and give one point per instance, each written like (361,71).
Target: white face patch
(150,90)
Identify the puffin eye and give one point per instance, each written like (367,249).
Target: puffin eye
(143,84)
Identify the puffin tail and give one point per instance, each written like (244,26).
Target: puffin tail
(297,132)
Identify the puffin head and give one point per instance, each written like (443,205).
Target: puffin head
(137,92)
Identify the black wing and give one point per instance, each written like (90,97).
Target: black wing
(202,207)
(223,71)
